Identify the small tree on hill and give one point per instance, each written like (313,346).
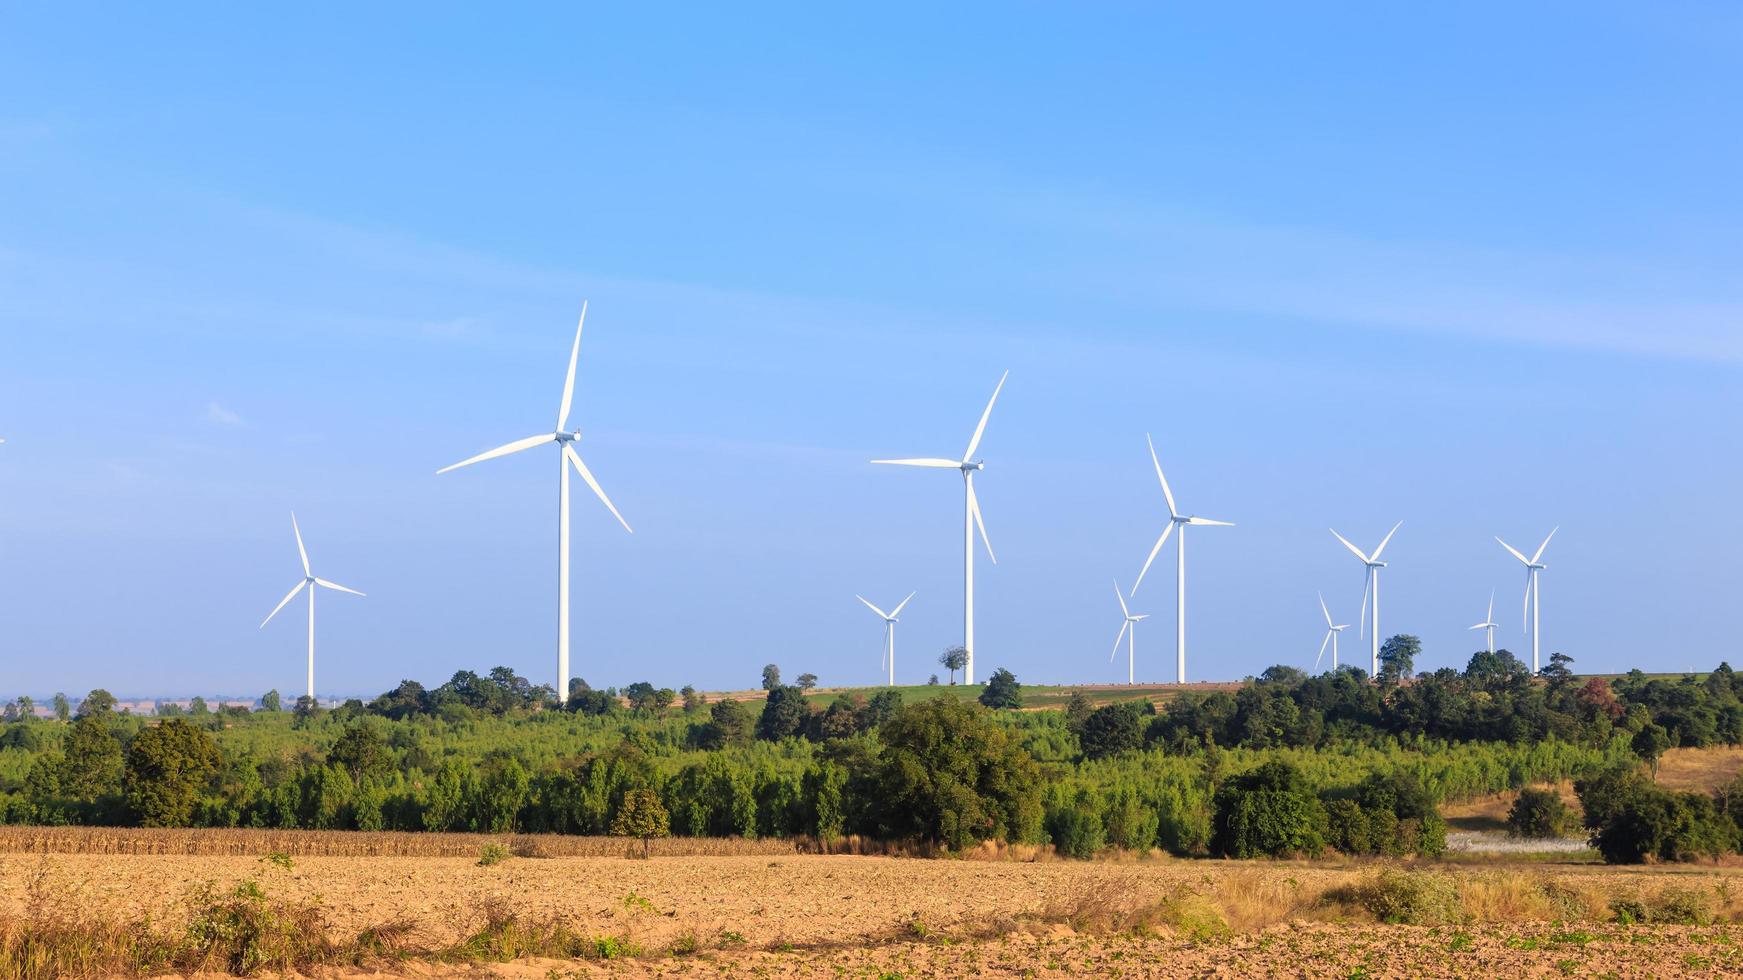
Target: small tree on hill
(62,709)
(771,677)
(1539,813)
(270,701)
(807,681)
(1002,690)
(1398,658)
(641,815)
(953,660)
(1649,744)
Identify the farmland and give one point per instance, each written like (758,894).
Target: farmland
(1016,915)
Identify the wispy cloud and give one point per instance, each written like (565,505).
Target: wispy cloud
(219,415)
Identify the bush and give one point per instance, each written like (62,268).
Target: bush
(1002,690)
(950,775)
(1112,729)
(1076,828)
(1415,898)
(492,853)
(1267,812)
(1633,820)
(1539,814)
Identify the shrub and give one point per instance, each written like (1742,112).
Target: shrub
(1416,898)
(1112,729)
(1076,828)
(1002,690)
(1539,813)
(492,853)
(1267,812)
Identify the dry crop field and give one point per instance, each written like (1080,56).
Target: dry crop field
(790,914)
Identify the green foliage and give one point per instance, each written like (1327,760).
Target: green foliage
(1268,812)
(493,853)
(771,677)
(168,767)
(1539,813)
(785,714)
(1632,820)
(641,815)
(950,775)
(1076,829)
(270,701)
(97,704)
(1112,729)
(807,681)
(1398,658)
(953,660)
(1002,690)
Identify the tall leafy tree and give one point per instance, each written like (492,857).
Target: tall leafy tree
(168,766)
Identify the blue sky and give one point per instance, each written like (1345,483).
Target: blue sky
(1471,268)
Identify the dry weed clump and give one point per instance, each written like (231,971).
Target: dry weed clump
(356,843)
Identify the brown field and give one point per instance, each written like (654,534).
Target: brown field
(804,915)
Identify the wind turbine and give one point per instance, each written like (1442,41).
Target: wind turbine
(1181,521)
(567,457)
(1371,587)
(1488,622)
(310,581)
(1128,632)
(1332,630)
(890,621)
(1533,605)
(971,520)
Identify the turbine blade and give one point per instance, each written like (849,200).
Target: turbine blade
(336,586)
(1323,609)
(1525,618)
(883,648)
(1207,522)
(1123,627)
(282,603)
(569,379)
(1367,587)
(301,551)
(1515,552)
(1545,544)
(514,447)
(1353,549)
(942,464)
(1167,494)
(1322,645)
(1153,553)
(1123,610)
(1384,541)
(974,443)
(587,476)
(1491,616)
(900,606)
(873,608)
(974,508)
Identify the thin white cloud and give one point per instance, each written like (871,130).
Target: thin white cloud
(219,415)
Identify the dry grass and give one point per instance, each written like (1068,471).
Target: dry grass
(1699,770)
(352,843)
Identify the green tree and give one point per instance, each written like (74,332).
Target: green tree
(62,708)
(26,707)
(502,790)
(1539,813)
(99,703)
(1649,744)
(953,660)
(1269,811)
(641,815)
(1112,729)
(785,714)
(1002,690)
(270,701)
(1398,658)
(951,775)
(693,700)
(771,677)
(729,724)
(168,766)
(92,764)
(807,681)
(362,752)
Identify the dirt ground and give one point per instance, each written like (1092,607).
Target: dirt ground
(873,916)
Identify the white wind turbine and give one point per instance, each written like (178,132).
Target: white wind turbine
(1181,521)
(1488,622)
(890,620)
(310,581)
(1533,606)
(1371,587)
(1128,632)
(971,520)
(1332,631)
(564,440)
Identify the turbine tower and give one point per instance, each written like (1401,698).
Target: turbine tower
(566,457)
(1488,622)
(971,520)
(1181,521)
(311,582)
(890,620)
(1371,587)
(1128,632)
(1332,630)
(1533,607)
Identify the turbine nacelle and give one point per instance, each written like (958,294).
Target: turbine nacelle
(564,437)
(970,465)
